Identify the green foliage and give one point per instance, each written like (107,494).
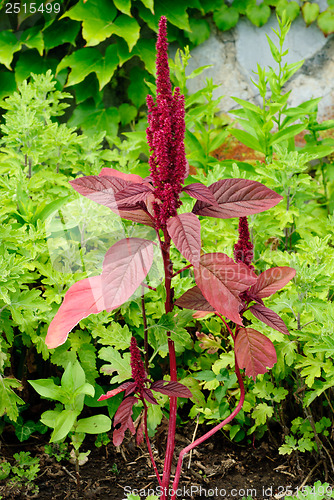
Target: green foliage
(21,475)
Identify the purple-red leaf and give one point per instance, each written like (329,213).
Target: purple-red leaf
(125,266)
(111,172)
(82,299)
(272,280)
(123,417)
(254,352)
(237,198)
(221,280)
(185,231)
(194,299)
(171,389)
(131,195)
(139,216)
(125,386)
(269,317)
(148,395)
(200,192)
(102,190)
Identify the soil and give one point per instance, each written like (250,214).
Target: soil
(219,469)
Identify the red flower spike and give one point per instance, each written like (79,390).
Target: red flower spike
(243,249)
(137,366)
(165,136)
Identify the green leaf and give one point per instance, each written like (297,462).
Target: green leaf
(118,364)
(33,39)
(44,211)
(127,113)
(286,133)
(137,89)
(60,32)
(7,84)
(63,425)
(48,389)
(248,139)
(9,44)
(310,12)
(107,66)
(93,121)
(31,62)
(145,50)
(94,425)
(261,412)
(292,9)
(248,105)
(127,28)
(200,31)
(241,5)
(226,17)
(175,11)
(206,375)
(82,62)
(326,22)
(97,18)
(117,336)
(149,4)
(258,14)
(8,398)
(124,6)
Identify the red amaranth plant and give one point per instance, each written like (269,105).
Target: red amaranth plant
(225,287)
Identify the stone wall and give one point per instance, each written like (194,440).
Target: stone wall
(235,54)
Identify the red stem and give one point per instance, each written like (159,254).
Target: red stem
(149,445)
(210,433)
(165,249)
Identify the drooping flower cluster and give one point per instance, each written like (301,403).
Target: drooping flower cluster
(243,249)
(137,366)
(165,136)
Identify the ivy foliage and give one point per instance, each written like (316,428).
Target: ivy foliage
(98,48)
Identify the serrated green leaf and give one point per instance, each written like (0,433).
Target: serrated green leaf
(31,62)
(97,18)
(137,90)
(7,84)
(127,113)
(33,39)
(175,11)
(118,364)
(94,120)
(145,50)
(261,412)
(60,32)
(9,44)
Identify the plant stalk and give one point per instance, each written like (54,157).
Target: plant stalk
(211,432)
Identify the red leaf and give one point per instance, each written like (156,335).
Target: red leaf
(237,198)
(125,266)
(254,352)
(121,175)
(194,299)
(272,280)
(148,395)
(102,190)
(221,280)
(139,216)
(171,389)
(122,387)
(185,231)
(82,299)
(123,417)
(131,195)
(269,317)
(200,192)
